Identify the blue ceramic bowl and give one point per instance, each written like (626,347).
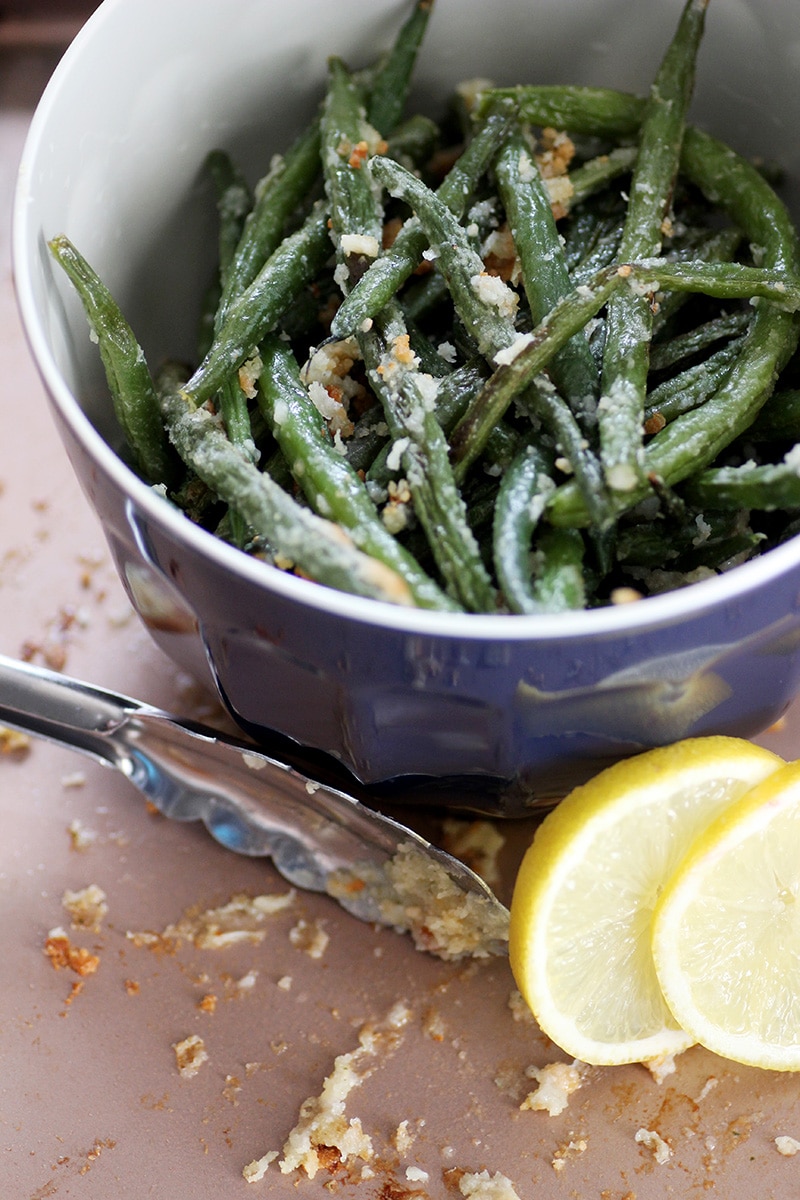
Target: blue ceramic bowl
(148,87)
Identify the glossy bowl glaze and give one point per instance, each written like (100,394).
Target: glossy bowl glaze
(113,159)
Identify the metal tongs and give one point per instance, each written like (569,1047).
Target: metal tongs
(319,837)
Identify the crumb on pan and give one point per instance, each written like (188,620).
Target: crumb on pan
(661,1150)
(86,908)
(310,937)
(238,920)
(788,1146)
(483,1186)
(661,1066)
(62,954)
(190,1054)
(557,1081)
(324,1134)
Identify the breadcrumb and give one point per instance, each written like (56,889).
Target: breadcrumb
(557,1081)
(190,1054)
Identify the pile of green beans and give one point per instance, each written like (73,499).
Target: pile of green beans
(538,355)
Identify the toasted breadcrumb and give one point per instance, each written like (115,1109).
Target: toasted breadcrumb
(310,937)
(571,1149)
(231,923)
(557,1081)
(413,893)
(13,742)
(483,1186)
(63,954)
(86,908)
(190,1054)
(324,1135)
(661,1067)
(662,1151)
(80,837)
(403,1138)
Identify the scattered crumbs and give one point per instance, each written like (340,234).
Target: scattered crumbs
(520,1009)
(707,1087)
(433,1025)
(215,928)
(76,779)
(95,1152)
(477,843)
(557,1081)
(661,1150)
(247,982)
(661,1066)
(412,892)
(310,937)
(190,1054)
(571,1149)
(132,987)
(324,1135)
(403,1138)
(285,983)
(483,1186)
(61,952)
(208,1003)
(416,1175)
(80,837)
(788,1146)
(14,743)
(256,1170)
(230,1092)
(86,908)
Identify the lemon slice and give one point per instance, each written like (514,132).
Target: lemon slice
(726,931)
(579,939)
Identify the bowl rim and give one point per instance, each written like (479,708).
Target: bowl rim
(668,608)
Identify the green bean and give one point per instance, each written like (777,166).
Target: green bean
(256,312)
(692,387)
(234,202)
(356,216)
(766,487)
(779,419)
(536,350)
(560,579)
(524,487)
(422,448)
(544,403)
(277,196)
(544,271)
(490,321)
(599,112)
(719,246)
(129,380)
(392,368)
(330,484)
(320,548)
(595,174)
(414,141)
(685,345)
(386,275)
(629,317)
(572,313)
(390,84)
